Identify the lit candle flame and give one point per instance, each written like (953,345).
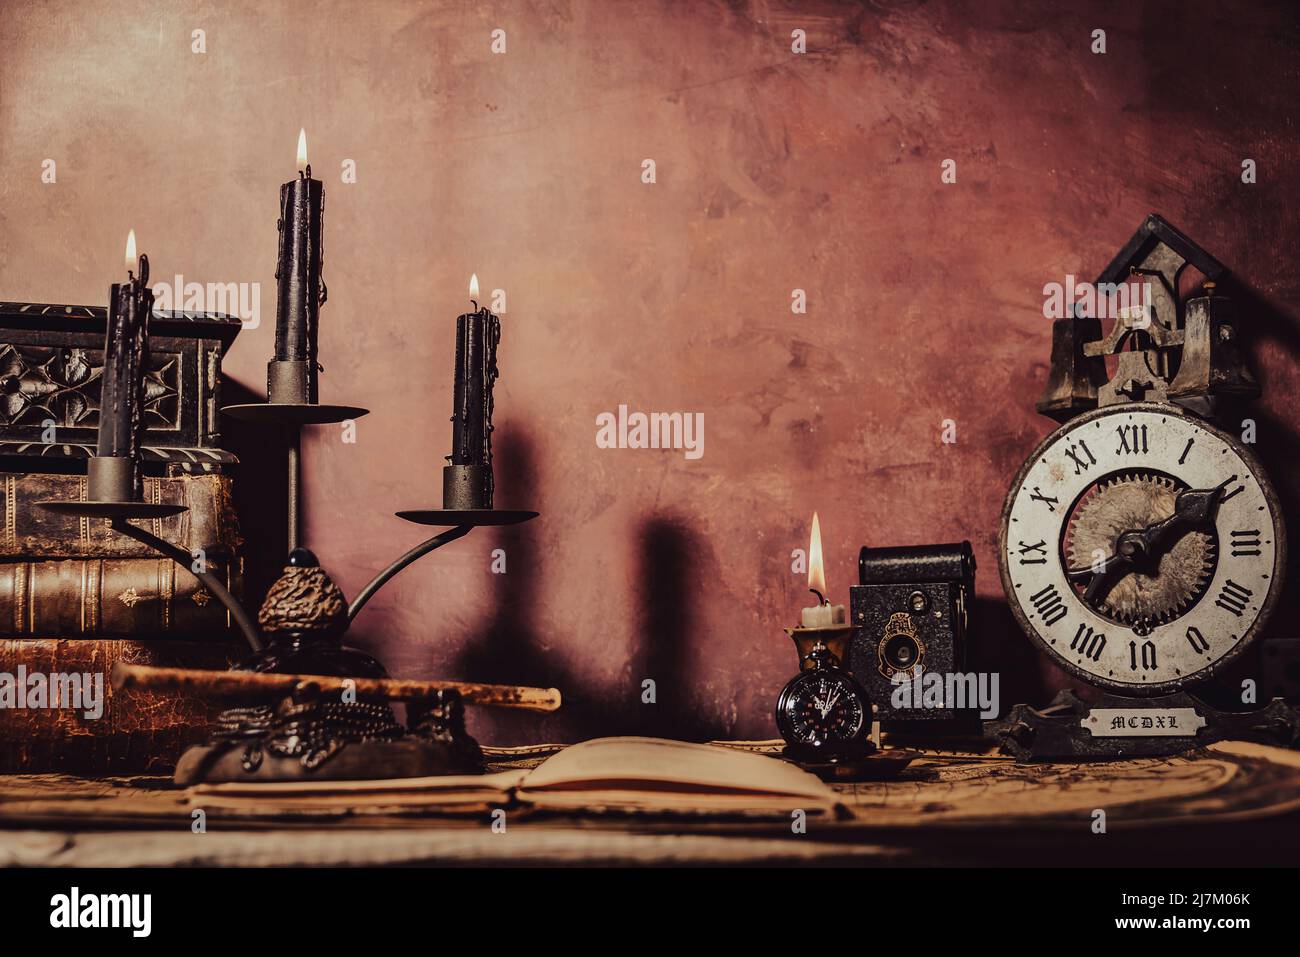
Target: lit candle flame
(130,251)
(302,151)
(473,286)
(816,571)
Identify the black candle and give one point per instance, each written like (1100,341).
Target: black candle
(126,360)
(299,288)
(477,335)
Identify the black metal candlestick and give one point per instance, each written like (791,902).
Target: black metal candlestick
(304,613)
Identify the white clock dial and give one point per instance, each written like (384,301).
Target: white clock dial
(1141,547)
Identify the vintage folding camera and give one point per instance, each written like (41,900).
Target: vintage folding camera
(910,618)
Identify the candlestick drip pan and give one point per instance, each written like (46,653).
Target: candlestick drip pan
(110,510)
(471,517)
(293,413)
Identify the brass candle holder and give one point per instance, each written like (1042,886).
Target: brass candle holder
(834,638)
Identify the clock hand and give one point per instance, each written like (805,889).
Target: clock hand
(1194,508)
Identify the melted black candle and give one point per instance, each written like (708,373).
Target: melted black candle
(299,285)
(477,335)
(126,360)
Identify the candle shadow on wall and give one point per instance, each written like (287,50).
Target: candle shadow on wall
(668,587)
(665,593)
(261,489)
(510,650)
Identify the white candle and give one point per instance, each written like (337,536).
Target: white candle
(823,614)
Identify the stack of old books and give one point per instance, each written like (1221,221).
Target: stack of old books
(76,596)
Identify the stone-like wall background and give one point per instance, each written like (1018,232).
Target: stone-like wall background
(774,172)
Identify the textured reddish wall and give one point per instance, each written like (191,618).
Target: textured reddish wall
(775,172)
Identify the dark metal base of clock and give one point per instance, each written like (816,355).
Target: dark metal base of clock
(1113,726)
(471,517)
(293,413)
(111,510)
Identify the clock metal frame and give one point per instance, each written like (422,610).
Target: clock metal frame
(1276,582)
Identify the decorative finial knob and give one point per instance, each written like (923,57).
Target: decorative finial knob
(304,600)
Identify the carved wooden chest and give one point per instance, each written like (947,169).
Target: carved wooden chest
(51,357)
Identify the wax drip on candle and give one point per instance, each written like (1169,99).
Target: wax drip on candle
(477,336)
(126,362)
(300,286)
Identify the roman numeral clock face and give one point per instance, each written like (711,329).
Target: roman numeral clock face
(1141,547)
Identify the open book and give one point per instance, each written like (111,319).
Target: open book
(606,774)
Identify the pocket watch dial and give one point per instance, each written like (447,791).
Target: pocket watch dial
(821,707)
(1141,547)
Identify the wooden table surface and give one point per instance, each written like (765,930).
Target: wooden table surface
(1232,803)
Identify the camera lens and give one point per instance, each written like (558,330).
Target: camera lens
(902,652)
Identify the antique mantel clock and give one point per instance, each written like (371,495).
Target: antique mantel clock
(1141,545)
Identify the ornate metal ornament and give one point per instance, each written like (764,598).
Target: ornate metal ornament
(900,650)
(303,620)
(1163,351)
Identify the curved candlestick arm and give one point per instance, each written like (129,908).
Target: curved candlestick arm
(213,583)
(419,551)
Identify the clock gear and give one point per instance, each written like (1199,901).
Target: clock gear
(1138,550)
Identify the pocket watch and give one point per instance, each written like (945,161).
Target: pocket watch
(823,714)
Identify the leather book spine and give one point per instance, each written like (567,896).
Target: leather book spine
(112,598)
(30,532)
(133,732)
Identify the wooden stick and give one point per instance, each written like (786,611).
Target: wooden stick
(236,683)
